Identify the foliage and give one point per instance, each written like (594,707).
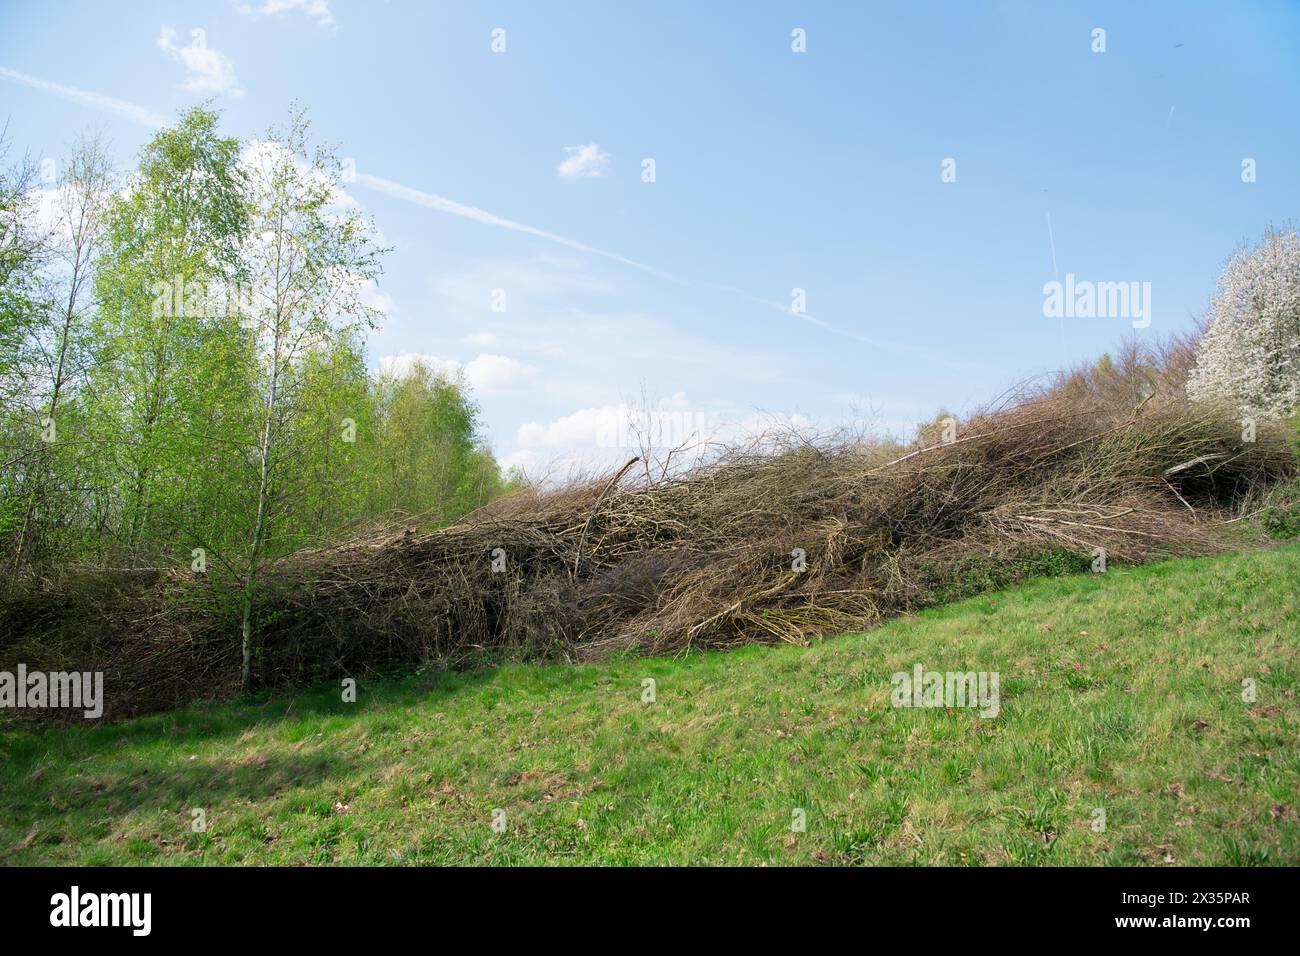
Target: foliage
(1280,515)
(422,418)
(167,394)
(42,375)
(182,325)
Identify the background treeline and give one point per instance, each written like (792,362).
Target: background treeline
(182,368)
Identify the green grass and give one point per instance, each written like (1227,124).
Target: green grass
(1120,692)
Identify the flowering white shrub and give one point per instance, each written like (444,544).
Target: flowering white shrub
(1250,354)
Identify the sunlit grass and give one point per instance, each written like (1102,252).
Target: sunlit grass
(1120,693)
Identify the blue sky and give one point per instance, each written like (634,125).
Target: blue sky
(774,171)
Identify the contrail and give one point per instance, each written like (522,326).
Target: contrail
(442,204)
(473,213)
(98,101)
(1051,239)
(152,120)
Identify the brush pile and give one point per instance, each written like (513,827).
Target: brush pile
(782,544)
(773,542)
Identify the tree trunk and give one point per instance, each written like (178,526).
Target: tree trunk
(246,631)
(259,525)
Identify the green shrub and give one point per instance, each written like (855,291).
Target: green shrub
(978,573)
(1281,516)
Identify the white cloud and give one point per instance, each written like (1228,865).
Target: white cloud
(581,429)
(318,10)
(583,162)
(207,70)
(261,157)
(486,374)
(57,209)
(603,436)
(492,374)
(483,340)
(403,363)
(375,298)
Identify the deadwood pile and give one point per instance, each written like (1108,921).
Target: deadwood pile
(705,559)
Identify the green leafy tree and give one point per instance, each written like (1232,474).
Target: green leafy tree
(328,444)
(309,258)
(431,460)
(175,362)
(52,356)
(21,253)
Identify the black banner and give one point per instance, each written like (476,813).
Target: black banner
(342,904)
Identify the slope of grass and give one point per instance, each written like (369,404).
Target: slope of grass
(1120,692)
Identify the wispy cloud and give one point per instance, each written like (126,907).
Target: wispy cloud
(583,162)
(317,10)
(96,101)
(442,204)
(473,213)
(538,279)
(207,70)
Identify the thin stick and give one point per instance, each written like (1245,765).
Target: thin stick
(577,558)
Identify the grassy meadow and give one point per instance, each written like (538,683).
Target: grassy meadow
(1120,692)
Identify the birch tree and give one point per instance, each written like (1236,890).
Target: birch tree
(21,251)
(430,458)
(309,258)
(21,307)
(172,374)
(73,212)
